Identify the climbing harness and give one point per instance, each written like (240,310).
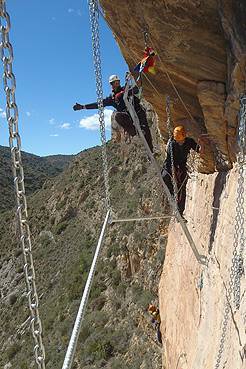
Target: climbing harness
(147,63)
(19,185)
(128,98)
(239,236)
(68,361)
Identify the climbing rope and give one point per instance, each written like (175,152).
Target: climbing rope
(239,237)
(94,20)
(128,98)
(9,81)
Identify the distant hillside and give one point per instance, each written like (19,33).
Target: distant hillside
(66,216)
(37,170)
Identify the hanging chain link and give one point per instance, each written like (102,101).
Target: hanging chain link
(240,214)
(239,238)
(169,128)
(6,51)
(241,138)
(146,37)
(94,19)
(221,163)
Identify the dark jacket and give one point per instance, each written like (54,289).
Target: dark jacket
(180,153)
(116,100)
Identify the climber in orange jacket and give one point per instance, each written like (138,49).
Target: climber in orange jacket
(122,116)
(179,147)
(156,320)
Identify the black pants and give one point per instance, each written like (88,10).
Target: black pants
(158,332)
(125,121)
(181,178)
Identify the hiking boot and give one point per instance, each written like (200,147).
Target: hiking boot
(184,220)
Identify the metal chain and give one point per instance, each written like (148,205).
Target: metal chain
(220,163)
(6,51)
(146,37)
(169,128)
(240,214)
(241,138)
(239,238)
(94,19)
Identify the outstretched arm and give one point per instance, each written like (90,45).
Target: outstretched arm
(108,101)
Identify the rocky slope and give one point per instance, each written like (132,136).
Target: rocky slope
(37,171)
(66,216)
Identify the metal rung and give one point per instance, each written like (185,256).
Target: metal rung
(140,219)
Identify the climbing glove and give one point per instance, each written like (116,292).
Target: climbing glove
(78,107)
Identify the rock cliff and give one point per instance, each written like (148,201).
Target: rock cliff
(202,53)
(202,57)
(192,298)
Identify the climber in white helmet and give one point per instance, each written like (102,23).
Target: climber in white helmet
(122,116)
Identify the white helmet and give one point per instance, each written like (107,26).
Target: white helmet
(113,78)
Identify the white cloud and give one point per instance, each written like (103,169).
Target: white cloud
(54,135)
(92,122)
(65,126)
(28,113)
(70,10)
(52,121)
(2,114)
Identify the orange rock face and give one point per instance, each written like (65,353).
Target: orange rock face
(201,64)
(192,297)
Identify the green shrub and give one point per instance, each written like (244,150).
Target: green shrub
(99,346)
(141,297)
(23,365)
(115,277)
(61,204)
(113,249)
(13,350)
(61,227)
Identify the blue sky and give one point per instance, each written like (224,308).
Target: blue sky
(53,66)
